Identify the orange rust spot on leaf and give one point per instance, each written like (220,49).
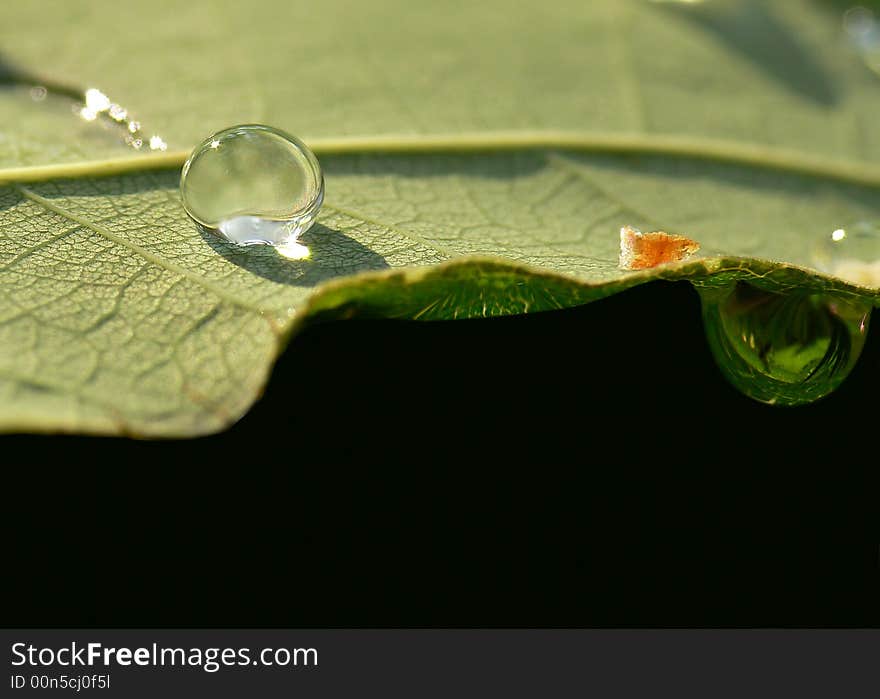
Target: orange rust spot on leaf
(643,250)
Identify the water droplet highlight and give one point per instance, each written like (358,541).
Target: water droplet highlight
(851,253)
(97,104)
(784,349)
(254,185)
(117,113)
(97,101)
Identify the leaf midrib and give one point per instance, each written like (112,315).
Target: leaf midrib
(716,150)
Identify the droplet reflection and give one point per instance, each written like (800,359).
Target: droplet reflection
(785,349)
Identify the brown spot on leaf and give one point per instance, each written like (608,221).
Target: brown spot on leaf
(643,250)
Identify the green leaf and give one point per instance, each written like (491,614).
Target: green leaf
(479,161)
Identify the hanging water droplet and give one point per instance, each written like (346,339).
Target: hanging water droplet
(785,349)
(253,185)
(851,253)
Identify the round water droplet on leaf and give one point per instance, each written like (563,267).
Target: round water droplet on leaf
(852,253)
(253,184)
(786,349)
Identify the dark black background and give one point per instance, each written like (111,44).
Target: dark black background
(580,468)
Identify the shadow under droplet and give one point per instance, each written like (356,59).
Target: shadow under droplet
(333,254)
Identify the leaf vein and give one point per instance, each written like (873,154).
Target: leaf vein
(142,252)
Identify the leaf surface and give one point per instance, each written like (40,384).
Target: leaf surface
(478,162)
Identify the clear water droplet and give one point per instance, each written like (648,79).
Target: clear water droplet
(253,185)
(851,253)
(784,349)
